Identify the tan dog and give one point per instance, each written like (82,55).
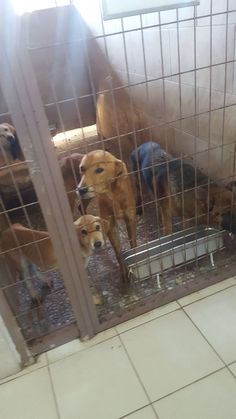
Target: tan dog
(107,177)
(9,145)
(23,245)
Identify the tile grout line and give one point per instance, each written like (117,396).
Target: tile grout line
(21,373)
(176,309)
(181,388)
(134,411)
(118,334)
(148,321)
(204,297)
(79,350)
(189,384)
(212,347)
(53,392)
(138,377)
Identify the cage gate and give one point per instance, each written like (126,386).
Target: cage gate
(117,86)
(24,103)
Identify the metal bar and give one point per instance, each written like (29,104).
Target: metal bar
(55,44)
(167,296)
(150,80)
(13,328)
(24,102)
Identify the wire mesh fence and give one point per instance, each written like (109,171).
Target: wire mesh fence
(155,94)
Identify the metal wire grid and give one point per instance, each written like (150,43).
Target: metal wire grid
(134,131)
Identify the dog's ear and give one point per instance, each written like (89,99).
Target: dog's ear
(105,225)
(119,167)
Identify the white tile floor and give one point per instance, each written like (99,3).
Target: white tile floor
(176,362)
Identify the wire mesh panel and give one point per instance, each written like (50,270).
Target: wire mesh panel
(32,248)
(141,112)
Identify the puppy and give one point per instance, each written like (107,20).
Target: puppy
(26,248)
(182,191)
(107,177)
(10,149)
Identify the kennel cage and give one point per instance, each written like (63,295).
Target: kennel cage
(77,83)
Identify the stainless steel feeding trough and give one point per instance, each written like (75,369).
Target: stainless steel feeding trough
(167,252)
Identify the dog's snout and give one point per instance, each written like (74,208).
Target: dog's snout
(98,244)
(83,190)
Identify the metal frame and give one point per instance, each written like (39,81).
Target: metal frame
(27,112)
(26,108)
(108,15)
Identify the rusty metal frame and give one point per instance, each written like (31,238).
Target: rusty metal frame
(24,102)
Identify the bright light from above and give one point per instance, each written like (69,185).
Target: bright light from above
(28,6)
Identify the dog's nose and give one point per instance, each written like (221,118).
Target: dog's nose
(97,244)
(82,191)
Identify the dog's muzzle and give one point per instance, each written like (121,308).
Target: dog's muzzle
(83,191)
(97,244)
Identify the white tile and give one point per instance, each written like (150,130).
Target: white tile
(211,397)
(97,383)
(40,361)
(232,367)
(169,353)
(146,413)
(144,318)
(215,316)
(76,345)
(28,397)
(207,291)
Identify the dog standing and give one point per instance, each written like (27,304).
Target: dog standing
(182,190)
(105,176)
(144,159)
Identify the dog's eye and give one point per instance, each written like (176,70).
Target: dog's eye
(6,129)
(97,227)
(99,170)
(84,232)
(82,169)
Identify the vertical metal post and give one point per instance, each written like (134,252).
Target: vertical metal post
(25,105)
(11,323)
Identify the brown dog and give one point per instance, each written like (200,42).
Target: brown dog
(107,177)
(23,246)
(11,155)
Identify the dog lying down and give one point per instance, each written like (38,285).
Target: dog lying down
(182,190)
(27,249)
